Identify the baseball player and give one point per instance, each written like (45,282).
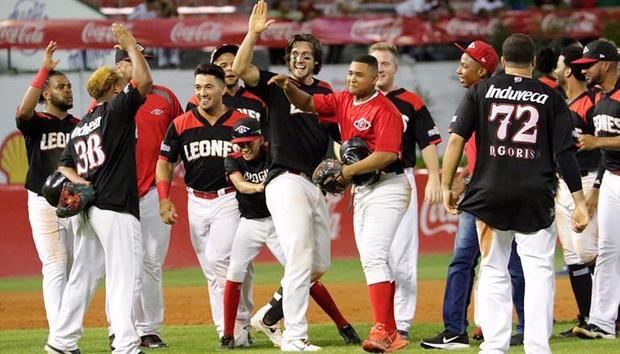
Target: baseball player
(101,151)
(579,250)
(201,139)
(601,58)
(419,129)
(160,107)
(478,61)
(523,129)
(248,169)
(365,113)
(46,134)
(298,144)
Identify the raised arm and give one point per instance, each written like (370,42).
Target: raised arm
(242,65)
(25,111)
(298,98)
(141,75)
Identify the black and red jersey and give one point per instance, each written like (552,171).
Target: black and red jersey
(243,101)
(202,148)
(102,149)
(420,128)
(251,206)
(46,137)
(520,125)
(297,141)
(581,115)
(606,117)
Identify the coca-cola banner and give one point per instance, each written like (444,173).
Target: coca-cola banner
(211,31)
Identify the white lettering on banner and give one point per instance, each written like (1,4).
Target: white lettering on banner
(28,10)
(50,141)
(383,29)
(516,95)
(434,219)
(280,31)
(207,148)
(99,33)
(606,124)
(577,22)
(460,27)
(24,34)
(210,31)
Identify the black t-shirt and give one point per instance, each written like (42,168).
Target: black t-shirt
(520,125)
(581,115)
(102,149)
(606,116)
(298,142)
(202,148)
(420,128)
(251,206)
(46,137)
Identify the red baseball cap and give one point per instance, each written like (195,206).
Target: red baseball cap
(483,53)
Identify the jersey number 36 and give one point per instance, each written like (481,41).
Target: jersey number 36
(89,153)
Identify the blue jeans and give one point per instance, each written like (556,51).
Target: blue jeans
(461,273)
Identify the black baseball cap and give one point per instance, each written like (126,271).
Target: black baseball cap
(223,49)
(598,50)
(123,55)
(245,130)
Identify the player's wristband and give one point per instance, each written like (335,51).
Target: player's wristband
(163,189)
(40,78)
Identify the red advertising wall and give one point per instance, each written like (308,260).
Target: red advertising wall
(18,256)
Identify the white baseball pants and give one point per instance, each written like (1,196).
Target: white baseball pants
(404,260)
(606,288)
(53,239)
(495,291)
(300,216)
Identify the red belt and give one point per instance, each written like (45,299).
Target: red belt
(213,195)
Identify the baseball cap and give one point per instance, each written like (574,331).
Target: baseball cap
(598,50)
(245,130)
(123,55)
(222,49)
(483,53)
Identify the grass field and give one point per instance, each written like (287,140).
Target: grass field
(202,339)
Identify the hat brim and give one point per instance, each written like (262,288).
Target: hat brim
(227,48)
(584,61)
(245,139)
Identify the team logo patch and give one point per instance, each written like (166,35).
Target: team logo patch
(242,129)
(165,147)
(362,124)
(157,112)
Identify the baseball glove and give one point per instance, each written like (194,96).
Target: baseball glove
(355,150)
(74,198)
(326,175)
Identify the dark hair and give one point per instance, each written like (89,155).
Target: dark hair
(367,59)
(210,69)
(518,49)
(547,58)
(49,76)
(317,51)
(571,54)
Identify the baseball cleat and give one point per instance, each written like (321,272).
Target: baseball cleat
(516,340)
(51,350)
(226,343)
(446,340)
(592,331)
(274,333)
(380,341)
(349,335)
(398,342)
(152,341)
(579,323)
(403,334)
(299,345)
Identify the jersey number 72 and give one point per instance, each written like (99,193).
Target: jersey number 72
(506,113)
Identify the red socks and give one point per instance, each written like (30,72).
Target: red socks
(232,292)
(322,297)
(382,302)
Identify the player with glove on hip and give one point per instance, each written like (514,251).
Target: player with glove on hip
(365,113)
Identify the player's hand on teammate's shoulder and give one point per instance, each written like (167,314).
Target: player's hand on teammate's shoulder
(124,38)
(592,201)
(258,22)
(48,58)
(587,142)
(581,217)
(167,211)
(281,80)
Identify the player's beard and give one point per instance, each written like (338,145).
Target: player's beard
(61,104)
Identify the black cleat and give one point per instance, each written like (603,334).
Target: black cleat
(592,331)
(52,350)
(349,335)
(227,343)
(152,341)
(446,340)
(516,340)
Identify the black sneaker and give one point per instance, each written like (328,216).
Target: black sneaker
(403,334)
(592,331)
(152,341)
(226,343)
(580,322)
(516,340)
(446,340)
(52,350)
(349,335)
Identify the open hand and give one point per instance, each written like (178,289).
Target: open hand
(281,80)
(258,22)
(48,60)
(124,38)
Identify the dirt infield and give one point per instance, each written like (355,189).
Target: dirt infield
(190,306)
